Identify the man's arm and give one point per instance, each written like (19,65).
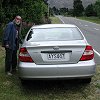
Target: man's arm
(6,35)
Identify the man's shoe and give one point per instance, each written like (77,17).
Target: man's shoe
(9,74)
(13,71)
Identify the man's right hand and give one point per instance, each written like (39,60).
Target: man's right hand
(7,46)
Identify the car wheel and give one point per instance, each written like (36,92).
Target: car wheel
(87,80)
(23,82)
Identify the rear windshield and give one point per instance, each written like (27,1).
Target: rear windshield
(54,34)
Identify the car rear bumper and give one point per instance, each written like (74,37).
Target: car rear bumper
(82,69)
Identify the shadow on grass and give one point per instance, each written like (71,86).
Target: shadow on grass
(53,86)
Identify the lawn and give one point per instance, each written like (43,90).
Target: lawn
(91,19)
(12,89)
(55,20)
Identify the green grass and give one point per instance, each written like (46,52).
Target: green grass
(55,20)
(12,89)
(91,19)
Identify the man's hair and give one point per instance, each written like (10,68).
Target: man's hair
(18,17)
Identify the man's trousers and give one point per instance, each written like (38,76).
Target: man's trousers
(10,60)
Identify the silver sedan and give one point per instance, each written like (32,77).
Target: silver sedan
(55,51)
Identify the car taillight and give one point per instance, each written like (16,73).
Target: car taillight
(88,54)
(24,55)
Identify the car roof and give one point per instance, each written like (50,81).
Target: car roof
(53,26)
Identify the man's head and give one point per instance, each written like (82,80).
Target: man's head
(18,20)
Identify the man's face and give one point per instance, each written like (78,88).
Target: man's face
(17,21)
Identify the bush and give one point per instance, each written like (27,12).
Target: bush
(1,32)
(30,11)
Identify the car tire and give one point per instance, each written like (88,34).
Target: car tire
(23,82)
(87,80)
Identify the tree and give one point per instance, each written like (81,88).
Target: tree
(1,13)
(55,10)
(78,8)
(30,10)
(51,12)
(63,11)
(89,11)
(34,10)
(70,12)
(97,8)
(46,2)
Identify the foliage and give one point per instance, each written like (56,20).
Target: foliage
(51,12)
(91,19)
(89,11)
(63,11)
(30,10)
(70,12)
(46,2)
(2,16)
(55,10)
(78,8)
(97,8)
(34,11)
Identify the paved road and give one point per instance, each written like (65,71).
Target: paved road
(90,30)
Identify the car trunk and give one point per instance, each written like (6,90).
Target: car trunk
(56,52)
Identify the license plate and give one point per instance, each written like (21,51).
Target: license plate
(56,56)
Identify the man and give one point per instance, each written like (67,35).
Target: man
(11,44)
